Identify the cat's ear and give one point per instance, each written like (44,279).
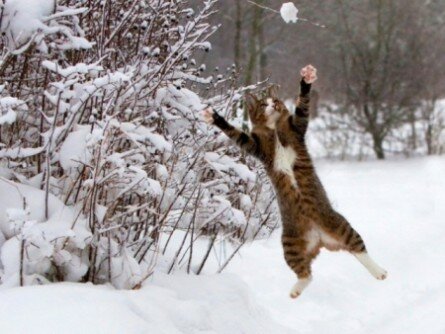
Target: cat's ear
(272,91)
(251,101)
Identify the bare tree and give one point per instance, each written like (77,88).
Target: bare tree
(381,57)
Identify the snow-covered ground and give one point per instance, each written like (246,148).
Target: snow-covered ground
(399,209)
(169,305)
(397,206)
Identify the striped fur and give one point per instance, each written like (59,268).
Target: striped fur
(309,221)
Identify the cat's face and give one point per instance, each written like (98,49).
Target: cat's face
(265,111)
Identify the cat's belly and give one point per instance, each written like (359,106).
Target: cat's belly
(284,161)
(317,238)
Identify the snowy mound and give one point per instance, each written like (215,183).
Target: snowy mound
(169,304)
(46,235)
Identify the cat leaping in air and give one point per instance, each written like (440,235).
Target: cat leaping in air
(309,222)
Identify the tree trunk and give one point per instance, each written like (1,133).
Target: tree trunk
(428,115)
(237,45)
(253,53)
(412,120)
(238,29)
(429,139)
(253,45)
(261,53)
(378,146)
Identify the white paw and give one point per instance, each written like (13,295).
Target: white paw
(207,115)
(295,294)
(309,74)
(380,274)
(298,288)
(373,268)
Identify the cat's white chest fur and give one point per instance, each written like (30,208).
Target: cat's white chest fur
(284,160)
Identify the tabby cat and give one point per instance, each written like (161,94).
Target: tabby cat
(277,139)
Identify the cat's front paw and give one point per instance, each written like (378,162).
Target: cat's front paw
(207,115)
(309,74)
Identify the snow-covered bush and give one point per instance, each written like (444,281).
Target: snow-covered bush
(103,156)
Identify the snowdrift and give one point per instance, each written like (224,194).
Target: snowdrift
(166,305)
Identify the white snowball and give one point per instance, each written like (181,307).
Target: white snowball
(289,12)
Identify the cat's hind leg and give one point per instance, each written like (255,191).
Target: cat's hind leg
(351,241)
(300,263)
(373,268)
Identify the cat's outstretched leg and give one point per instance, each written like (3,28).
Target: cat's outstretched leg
(373,268)
(247,142)
(299,261)
(355,245)
(351,241)
(300,119)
